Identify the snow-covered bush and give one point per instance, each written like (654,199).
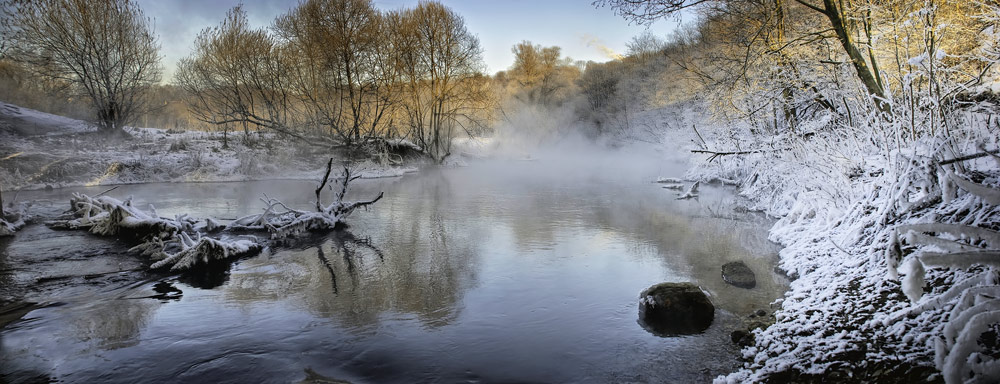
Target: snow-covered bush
(974,298)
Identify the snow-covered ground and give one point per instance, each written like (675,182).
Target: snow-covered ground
(846,317)
(40,150)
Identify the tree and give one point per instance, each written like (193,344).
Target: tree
(440,66)
(645,44)
(237,75)
(104,49)
(345,64)
(542,76)
(842,15)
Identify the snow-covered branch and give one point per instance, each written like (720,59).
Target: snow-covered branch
(182,242)
(11,220)
(282,221)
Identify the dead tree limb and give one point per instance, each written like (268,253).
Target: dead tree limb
(319,189)
(106,191)
(969,157)
(717,154)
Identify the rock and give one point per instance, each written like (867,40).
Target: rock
(671,309)
(761,313)
(741,338)
(738,274)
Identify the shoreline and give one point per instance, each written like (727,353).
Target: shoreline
(839,320)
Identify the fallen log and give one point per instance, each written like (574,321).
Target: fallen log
(183,241)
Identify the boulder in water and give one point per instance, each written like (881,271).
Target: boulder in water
(738,274)
(672,309)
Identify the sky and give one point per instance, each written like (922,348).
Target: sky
(581,30)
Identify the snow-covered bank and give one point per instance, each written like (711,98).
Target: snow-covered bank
(840,202)
(39,150)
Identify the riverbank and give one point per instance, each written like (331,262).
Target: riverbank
(44,151)
(838,207)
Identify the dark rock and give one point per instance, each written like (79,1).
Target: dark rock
(671,309)
(741,338)
(738,274)
(761,313)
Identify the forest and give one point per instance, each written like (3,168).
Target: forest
(869,130)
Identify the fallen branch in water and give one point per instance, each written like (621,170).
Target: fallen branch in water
(182,242)
(12,218)
(282,221)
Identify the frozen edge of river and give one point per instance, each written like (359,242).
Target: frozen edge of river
(830,325)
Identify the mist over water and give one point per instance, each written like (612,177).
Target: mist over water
(522,268)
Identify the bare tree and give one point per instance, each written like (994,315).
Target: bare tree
(344,63)
(237,75)
(542,75)
(843,16)
(104,49)
(441,62)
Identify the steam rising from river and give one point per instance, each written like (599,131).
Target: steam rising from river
(561,146)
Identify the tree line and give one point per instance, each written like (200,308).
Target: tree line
(344,73)
(328,72)
(906,65)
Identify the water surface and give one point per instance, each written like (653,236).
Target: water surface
(520,271)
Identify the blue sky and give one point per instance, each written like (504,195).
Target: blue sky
(583,31)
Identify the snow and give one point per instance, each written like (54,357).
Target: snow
(41,150)
(668,180)
(183,242)
(847,212)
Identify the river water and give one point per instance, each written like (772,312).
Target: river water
(517,271)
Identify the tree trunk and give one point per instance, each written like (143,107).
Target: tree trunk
(787,95)
(868,78)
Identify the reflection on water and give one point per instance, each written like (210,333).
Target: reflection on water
(491,273)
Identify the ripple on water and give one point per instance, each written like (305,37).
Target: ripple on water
(479,274)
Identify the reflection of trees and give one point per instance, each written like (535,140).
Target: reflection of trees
(418,271)
(114,323)
(7,282)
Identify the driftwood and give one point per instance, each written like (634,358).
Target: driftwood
(691,193)
(11,220)
(281,221)
(183,241)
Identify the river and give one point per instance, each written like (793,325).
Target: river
(516,271)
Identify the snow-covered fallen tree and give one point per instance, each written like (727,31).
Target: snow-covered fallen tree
(11,218)
(183,241)
(282,221)
(166,240)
